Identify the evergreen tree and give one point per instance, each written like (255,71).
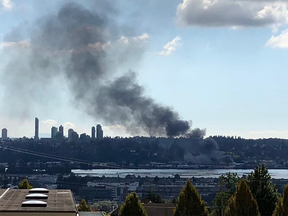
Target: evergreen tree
(24,184)
(83,206)
(189,202)
(229,184)
(282,205)
(231,207)
(263,190)
(285,200)
(132,206)
(243,203)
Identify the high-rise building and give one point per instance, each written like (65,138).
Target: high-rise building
(54,131)
(4,134)
(75,136)
(61,130)
(36,137)
(70,133)
(99,132)
(93,133)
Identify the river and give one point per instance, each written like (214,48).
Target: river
(184,173)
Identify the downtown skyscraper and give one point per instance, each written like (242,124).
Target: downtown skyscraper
(4,134)
(36,137)
(93,133)
(99,132)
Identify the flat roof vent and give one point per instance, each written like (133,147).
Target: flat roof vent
(38,190)
(34,203)
(36,196)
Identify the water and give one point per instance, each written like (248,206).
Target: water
(184,173)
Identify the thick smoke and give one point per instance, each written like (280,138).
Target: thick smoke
(89,50)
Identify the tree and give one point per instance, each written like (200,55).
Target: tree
(242,203)
(154,198)
(132,206)
(282,205)
(189,202)
(83,206)
(263,190)
(229,184)
(24,184)
(231,207)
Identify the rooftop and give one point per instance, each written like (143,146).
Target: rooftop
(58,201)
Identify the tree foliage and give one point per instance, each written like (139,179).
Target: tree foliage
(263,190)
(282,205)
(83,206)
(106,206)
(153,197)
(132,206)
(231,207)
(242,203)
(24,184)
(189,202)
(229,184)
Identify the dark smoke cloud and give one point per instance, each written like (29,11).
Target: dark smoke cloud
(88,49)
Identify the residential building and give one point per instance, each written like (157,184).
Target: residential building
(54,131)
(36,137)
(4,134)
(75,136)
(61,130)
(70,133)
(99,132)
(37,201)
(93,133)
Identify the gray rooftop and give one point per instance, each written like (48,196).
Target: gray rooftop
(58,201)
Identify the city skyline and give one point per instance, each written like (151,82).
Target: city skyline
(55,127)
(54,130)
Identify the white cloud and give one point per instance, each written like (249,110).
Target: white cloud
(50,122)
(18,45)
(127,40)
(123,40)
(280,41)
(170,47)
(7,4)
(69,125)
(99,45)
(232,13)
(144,36)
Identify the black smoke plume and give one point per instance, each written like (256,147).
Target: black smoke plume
(88,49)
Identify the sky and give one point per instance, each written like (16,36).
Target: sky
(221,64)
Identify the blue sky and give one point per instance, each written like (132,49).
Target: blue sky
(221,64)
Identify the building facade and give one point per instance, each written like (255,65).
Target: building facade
(54,131)
(4,134)
(99,132)
(61,130)
(93,133)
(36,137)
